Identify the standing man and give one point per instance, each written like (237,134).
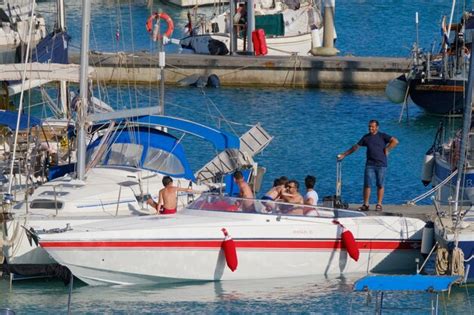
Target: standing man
(378,145)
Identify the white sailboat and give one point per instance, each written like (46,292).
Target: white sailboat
(454,229)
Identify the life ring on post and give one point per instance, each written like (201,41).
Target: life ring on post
(156,17)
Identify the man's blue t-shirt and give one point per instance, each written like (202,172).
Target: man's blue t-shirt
(375,148)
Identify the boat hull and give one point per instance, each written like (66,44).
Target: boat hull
(438,96)
(465,239)
(442,169)
(277,247)
(277,46)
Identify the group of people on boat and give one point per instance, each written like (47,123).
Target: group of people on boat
(284,190)
(378,146)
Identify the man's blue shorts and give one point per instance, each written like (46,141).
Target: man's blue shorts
(374,174)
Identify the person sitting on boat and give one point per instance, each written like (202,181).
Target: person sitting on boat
(311,196)
(378,145)
(291,195)
(244,192)
(167,197)
(275,192)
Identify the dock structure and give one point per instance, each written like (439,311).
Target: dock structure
(266,71)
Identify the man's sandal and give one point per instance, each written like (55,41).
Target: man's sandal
(378,207)
(363,208)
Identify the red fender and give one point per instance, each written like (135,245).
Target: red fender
(256,43)
(230,252)
(349,242)
(262,41)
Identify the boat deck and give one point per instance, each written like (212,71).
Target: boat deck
(413,211)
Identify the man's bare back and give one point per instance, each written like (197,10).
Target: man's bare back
(168,197)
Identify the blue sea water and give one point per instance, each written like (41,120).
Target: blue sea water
(310,127)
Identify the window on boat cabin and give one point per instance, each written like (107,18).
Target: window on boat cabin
(128,154)
(46,204)
(163,161)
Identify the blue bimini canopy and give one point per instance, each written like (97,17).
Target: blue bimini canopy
(9,118)
(220,139)
(148,148)
(407,283)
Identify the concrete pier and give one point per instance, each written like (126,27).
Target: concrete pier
(275,71)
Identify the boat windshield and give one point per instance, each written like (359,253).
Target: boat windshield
(213,202)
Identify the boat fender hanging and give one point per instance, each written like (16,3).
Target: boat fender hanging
(230,252)
(151,22)
(262,41)
(396,89)
(428,238)
(428,167)
(259,42)
(348,241)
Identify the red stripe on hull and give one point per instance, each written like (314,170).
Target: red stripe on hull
(253,244)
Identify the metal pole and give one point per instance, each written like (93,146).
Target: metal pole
(161,109)
(232,35)
(84,89)
(118,200)
(71,282)
(250,24)
(465,134)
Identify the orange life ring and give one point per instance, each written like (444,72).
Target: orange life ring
(157,16)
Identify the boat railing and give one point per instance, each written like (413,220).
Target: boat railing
(223,203)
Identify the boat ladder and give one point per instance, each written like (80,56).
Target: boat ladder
(251,143)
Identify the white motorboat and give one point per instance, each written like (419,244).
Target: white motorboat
(272,240)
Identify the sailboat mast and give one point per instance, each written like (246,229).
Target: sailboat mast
(61,15)
(84,89)
(63,94)
(465,131)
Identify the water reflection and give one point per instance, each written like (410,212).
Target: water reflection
(308,294)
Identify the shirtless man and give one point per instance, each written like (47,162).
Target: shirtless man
(275,192)
(292,195)
(245,191)
(167,197)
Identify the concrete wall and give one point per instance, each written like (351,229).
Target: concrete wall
(295,71)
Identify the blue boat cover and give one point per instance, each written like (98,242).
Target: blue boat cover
(53,48)
(405,283)
(149,138)
(9,118)
(221,140)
